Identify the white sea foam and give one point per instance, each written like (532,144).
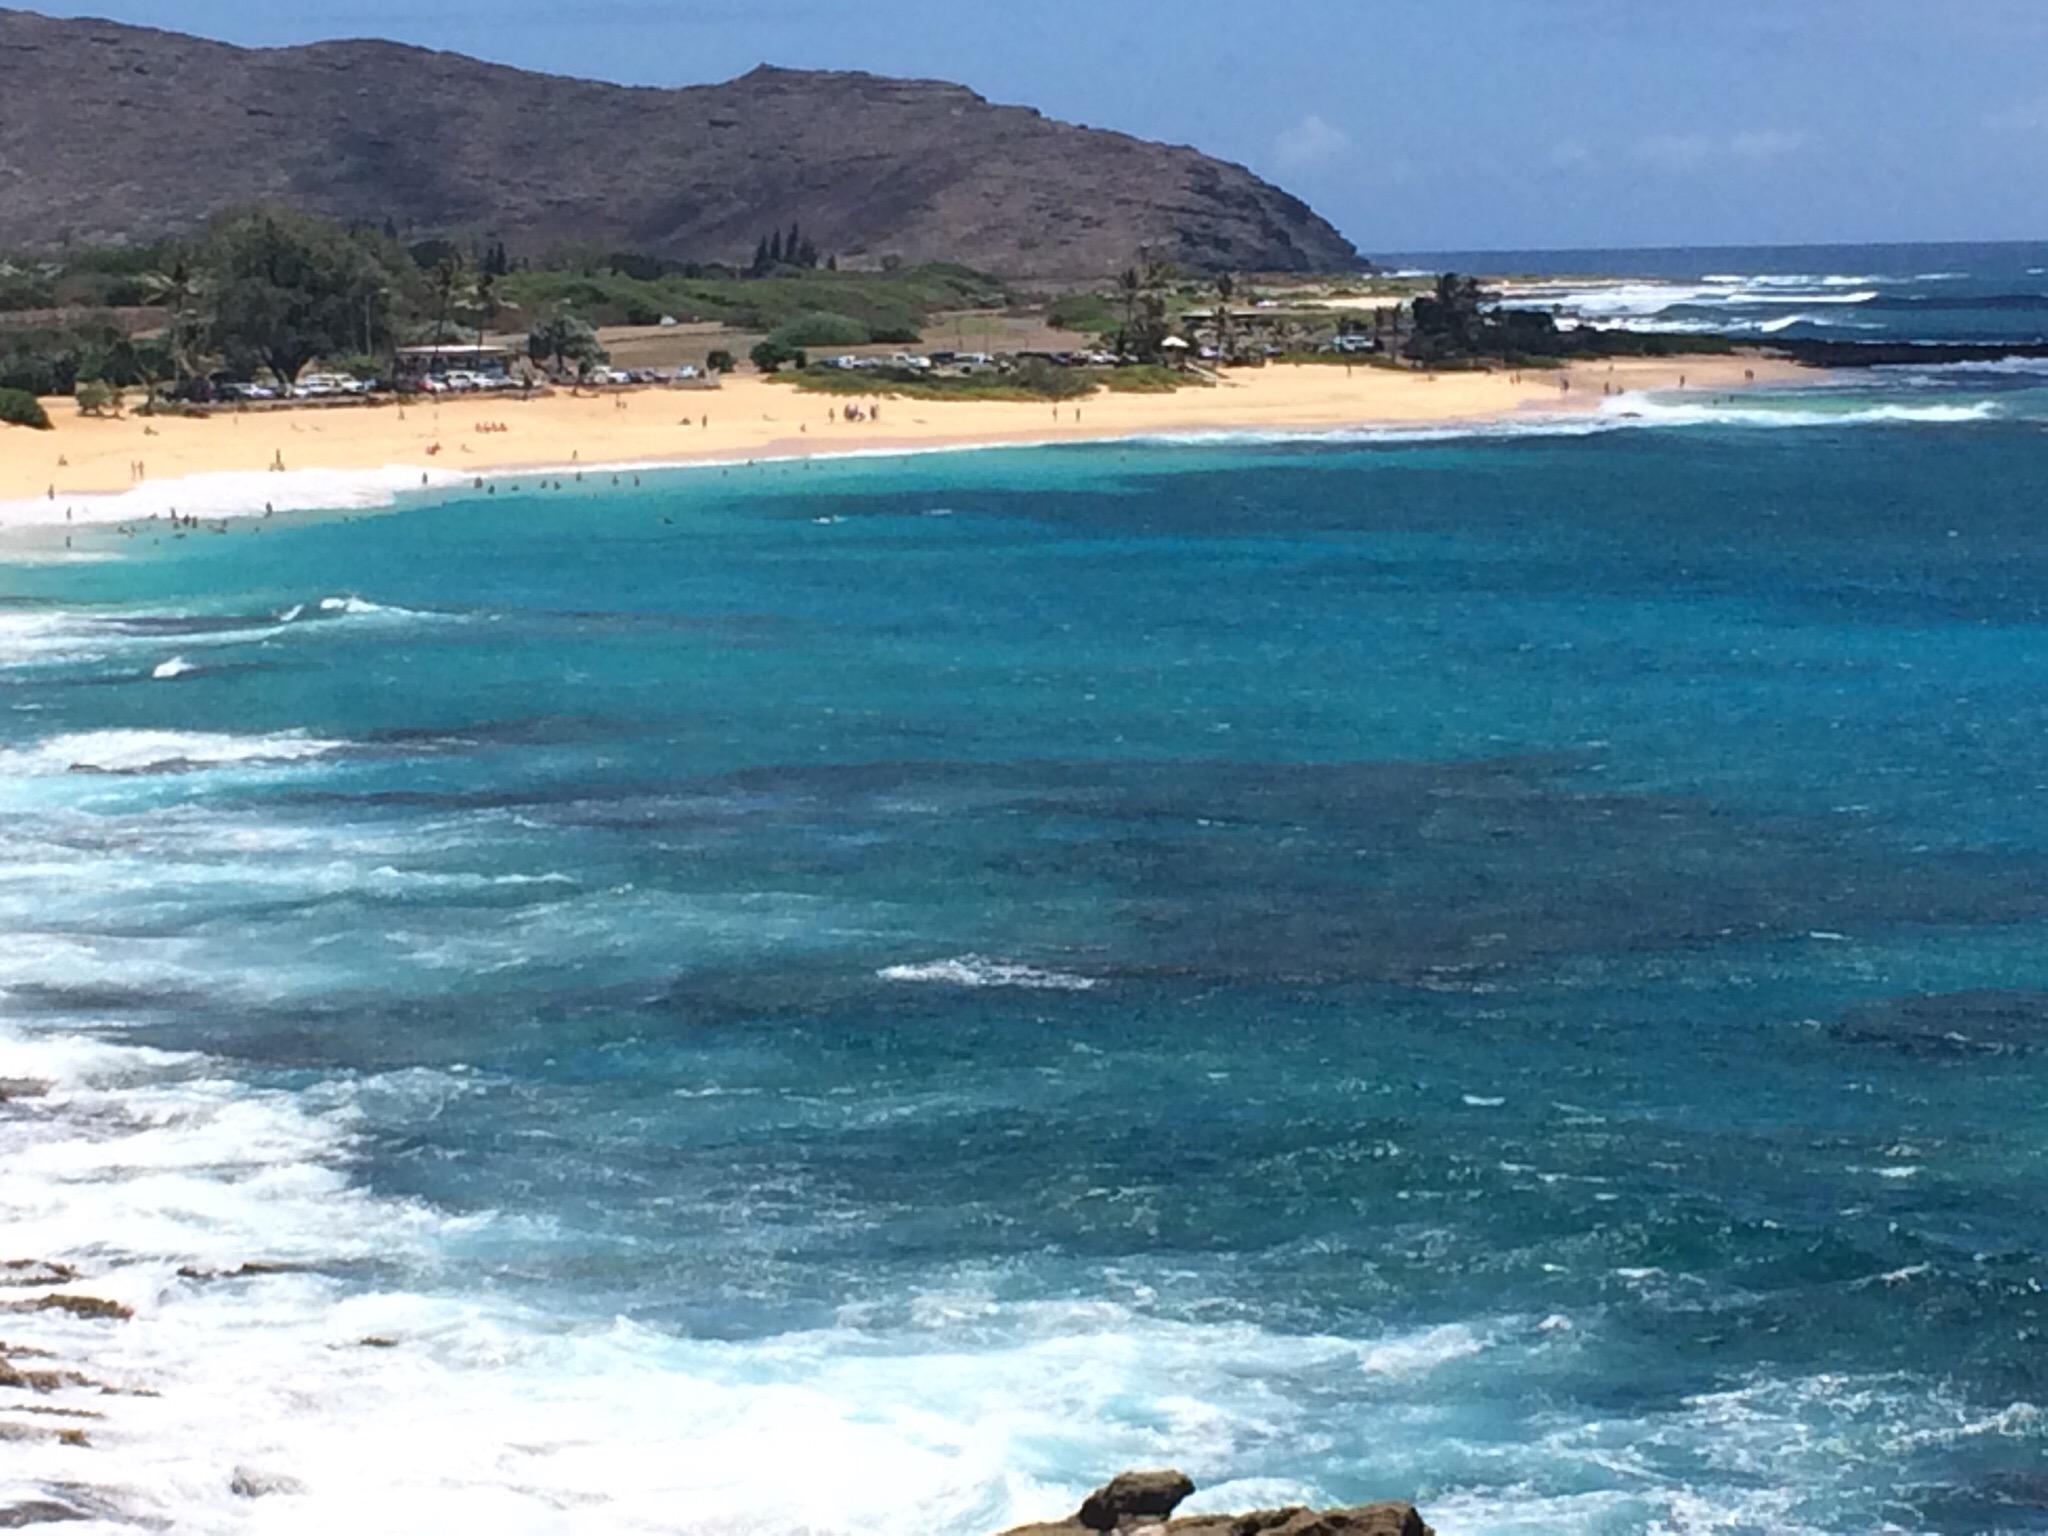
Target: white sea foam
(137,751)
(177,666)
(980,971)
(943,1410)
(1419,1353)
(1652,411)
(234,494)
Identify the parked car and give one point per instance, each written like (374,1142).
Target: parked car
(319,385)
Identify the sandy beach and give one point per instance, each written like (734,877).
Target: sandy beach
(97,470)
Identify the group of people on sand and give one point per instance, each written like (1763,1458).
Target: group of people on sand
(870,412)
(491,426)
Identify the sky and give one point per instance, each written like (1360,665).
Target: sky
(1413,125)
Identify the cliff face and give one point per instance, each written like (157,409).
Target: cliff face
(110,132)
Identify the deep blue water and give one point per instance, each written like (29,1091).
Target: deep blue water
(1510,971)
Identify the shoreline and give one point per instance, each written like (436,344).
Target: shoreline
(225,466)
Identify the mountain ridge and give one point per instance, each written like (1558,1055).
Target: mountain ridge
(110,132)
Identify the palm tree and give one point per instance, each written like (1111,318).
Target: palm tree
(1226,290)
(1130,292)
(451,285)
(178,289)
(486,305)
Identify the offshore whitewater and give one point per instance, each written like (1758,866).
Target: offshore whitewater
(1504,970)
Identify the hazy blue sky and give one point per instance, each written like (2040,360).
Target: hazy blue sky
(1412,124)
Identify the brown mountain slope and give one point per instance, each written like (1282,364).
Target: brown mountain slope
(111,132)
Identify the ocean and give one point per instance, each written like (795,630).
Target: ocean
(1507,968)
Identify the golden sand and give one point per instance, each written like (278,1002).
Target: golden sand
(41,473)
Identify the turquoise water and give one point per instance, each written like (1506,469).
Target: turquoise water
(1507,970)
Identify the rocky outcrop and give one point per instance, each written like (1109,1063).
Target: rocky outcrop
(1144,1502)
(159,131)
(1133,1496)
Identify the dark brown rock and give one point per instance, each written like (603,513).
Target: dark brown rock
(160,131)
(20,1380)
(1134,1495)
(1144,1501)
(77,1306)
(35,1272)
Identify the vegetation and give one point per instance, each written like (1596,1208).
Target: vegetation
(1150,379)
(775,251)
(896,301)
(720,361)
(565,344)
(1141,295)
(1458,323)
(21,409)
(821,329)
(1089,312)
(770,356)
(1032,379)
(50,360)
(285,288)
(96,397)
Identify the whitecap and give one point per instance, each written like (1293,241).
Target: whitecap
(980,971)
(157,751)
(177,666)
(1418,1353)
(1651,411)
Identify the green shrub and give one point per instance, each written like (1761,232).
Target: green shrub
(96,397)
(1083,312)
(820,328)
(720,361)
(768,356)
(1149,379)
(22,409)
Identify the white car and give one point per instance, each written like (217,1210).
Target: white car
(607,376)
(318,385)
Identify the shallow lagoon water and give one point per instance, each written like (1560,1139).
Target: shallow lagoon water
(1502,970)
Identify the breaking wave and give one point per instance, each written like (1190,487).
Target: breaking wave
(980,971)
(158,751)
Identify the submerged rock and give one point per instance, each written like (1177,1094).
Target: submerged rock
(77,1306)
(18,1517)
(248,1483)
(1144,1502)
(35,1272)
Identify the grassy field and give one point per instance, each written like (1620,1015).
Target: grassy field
(896,302)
